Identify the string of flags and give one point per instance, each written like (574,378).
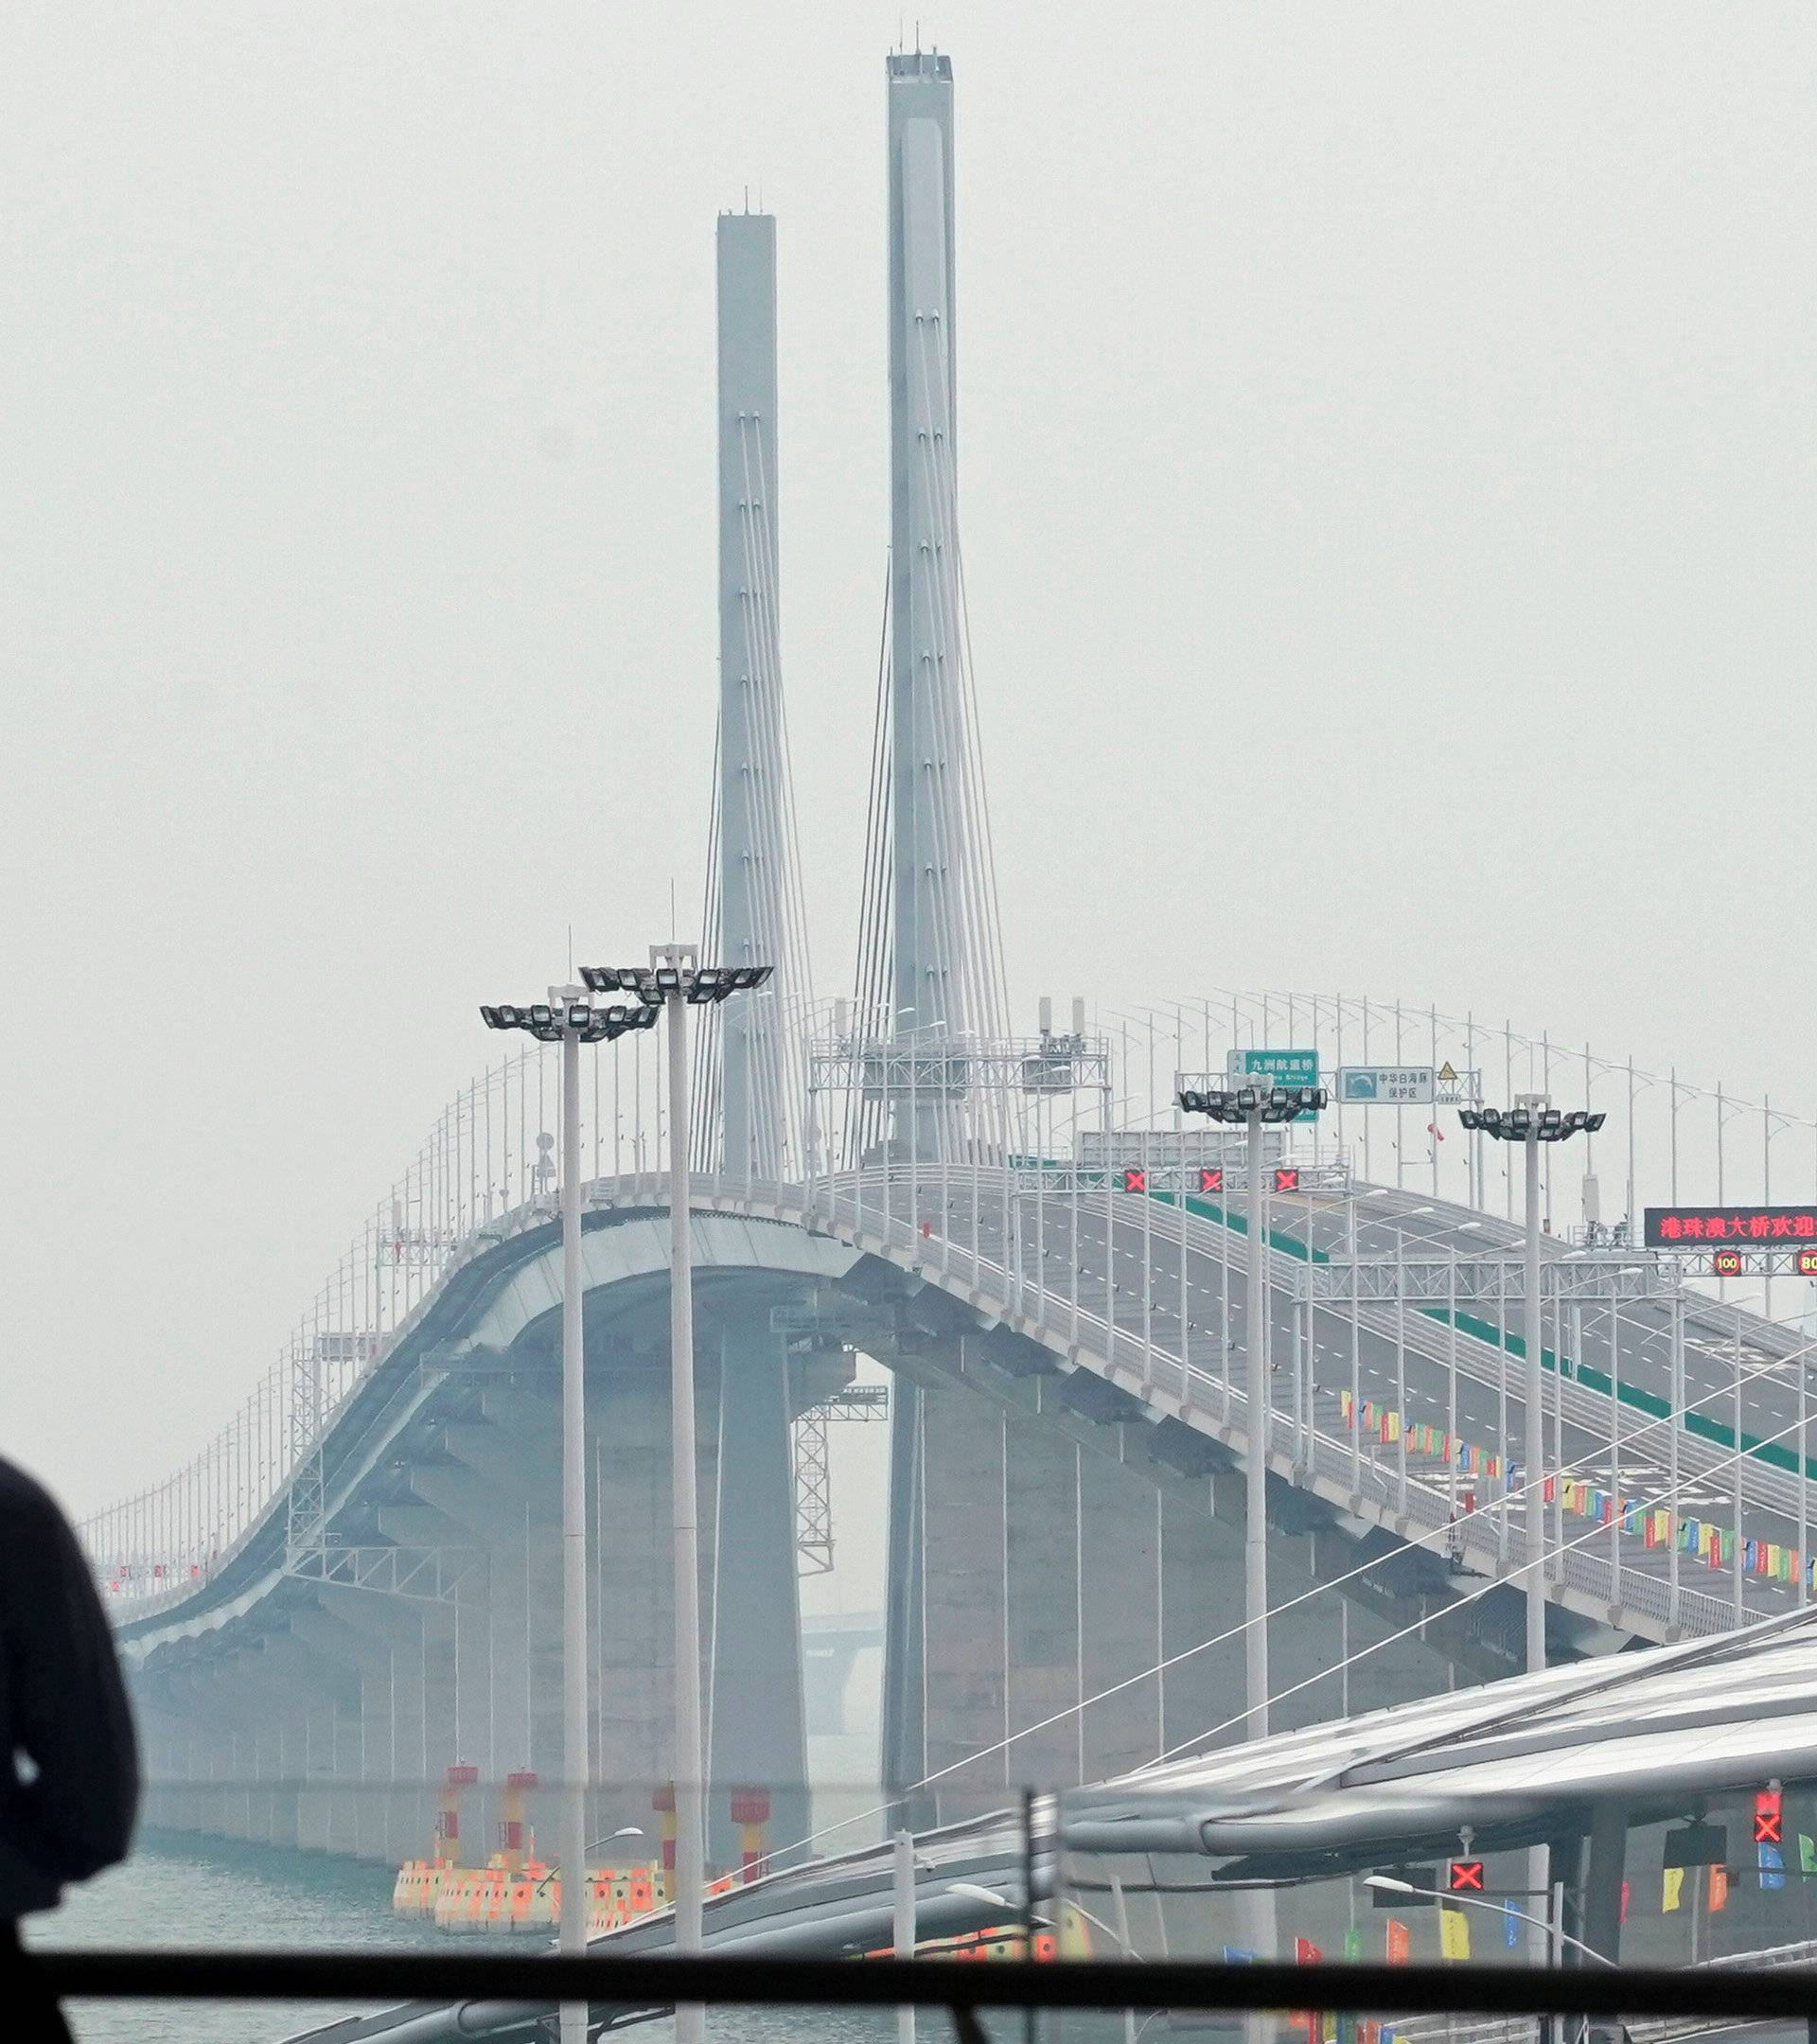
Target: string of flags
(1653,1526)
(119,1578)
(1322,2027)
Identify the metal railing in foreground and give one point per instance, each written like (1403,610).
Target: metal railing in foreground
(519,1986)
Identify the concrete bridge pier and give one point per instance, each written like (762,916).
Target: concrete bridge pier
(362,1746)
(756,1718)
(1057,1553)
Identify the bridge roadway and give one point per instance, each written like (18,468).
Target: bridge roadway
(1116,1270)
(1402,1362)
(991,1238)
(1733,1364)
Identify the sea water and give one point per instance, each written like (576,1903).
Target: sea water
(173,1895)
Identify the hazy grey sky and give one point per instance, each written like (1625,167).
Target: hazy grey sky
(1387,465)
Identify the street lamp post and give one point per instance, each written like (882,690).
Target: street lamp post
(568,1018)
(1533,1120)
(675,981)
(1255,1107)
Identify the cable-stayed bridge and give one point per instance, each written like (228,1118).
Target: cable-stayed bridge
(358,1584)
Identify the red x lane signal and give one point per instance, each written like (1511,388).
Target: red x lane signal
(1287,1178)
(1467,1877)
(1135,1179)
(1211,1180)
(1769,1818)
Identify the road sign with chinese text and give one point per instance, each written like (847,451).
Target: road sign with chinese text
(1738,1227)
(1386,1086)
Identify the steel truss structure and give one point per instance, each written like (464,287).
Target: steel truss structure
(814,1472)
(425,1575)
(1498,1281)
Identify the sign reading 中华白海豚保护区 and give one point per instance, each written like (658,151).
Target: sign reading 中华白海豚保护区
(1731,1227)
(1386,1086)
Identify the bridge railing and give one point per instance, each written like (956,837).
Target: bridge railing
(487,1166)
(1669,1137)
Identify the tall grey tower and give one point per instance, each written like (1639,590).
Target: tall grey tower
(759,913)
(944,980)
(946,977)
(756,1726)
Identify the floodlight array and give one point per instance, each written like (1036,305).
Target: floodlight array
(1516,1124)
(700,984)
(1266,1103)
(548,1022)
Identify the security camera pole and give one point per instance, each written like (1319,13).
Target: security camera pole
(674,980)
(568,1018)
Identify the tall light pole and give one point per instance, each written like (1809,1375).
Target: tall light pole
(569,1019)
(1255,1107)
(1533,1120)
(674,980)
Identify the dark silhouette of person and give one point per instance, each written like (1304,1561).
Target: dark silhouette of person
(71,1788)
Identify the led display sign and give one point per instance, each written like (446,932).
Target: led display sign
(1744,1227)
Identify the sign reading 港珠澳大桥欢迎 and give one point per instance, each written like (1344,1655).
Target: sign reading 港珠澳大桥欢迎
(1731,1227)
(1386,1086)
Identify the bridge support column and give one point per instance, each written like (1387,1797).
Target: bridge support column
(499,1618)
(368,1754)
(1119,1609)
(1200,1560)
(905,1624)
(756,1721)
(1041,1564)
(965,1571)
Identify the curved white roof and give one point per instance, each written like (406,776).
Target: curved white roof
(1648,1730)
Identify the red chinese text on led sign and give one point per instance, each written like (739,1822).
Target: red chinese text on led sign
(1751,1228)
